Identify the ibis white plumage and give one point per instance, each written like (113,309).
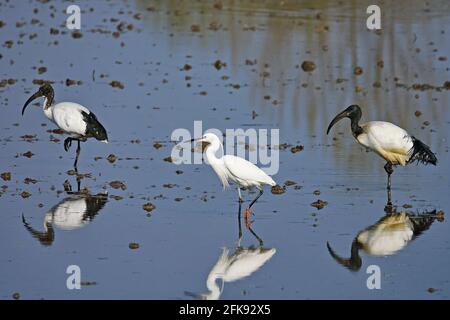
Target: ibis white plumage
(386,237)
(72,118)
(72,213)
(389,141)
(230,168)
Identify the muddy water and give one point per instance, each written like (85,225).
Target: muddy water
(145,46)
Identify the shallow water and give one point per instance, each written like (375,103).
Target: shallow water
(182,239)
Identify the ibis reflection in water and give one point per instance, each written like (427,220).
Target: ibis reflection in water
(73,212)
(242,263)
(386,237)
(72,118)
(389,141)
(230,168)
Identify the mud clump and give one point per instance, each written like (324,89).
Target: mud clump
(111,158)
(77,35)
(195,28)
(6,176)
(440,215)
(219,64)
(25,194)
(28,154)
(278,189)
(446,85)
(319,204)
(149,207)
(116,84)
(118,185)
(133,245)
(297,149)
(308,66)
(358,71)
(168,159)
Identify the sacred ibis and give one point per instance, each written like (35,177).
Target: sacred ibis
(235,169)
(386,237)
(72,118)
(73,212)
(389,141)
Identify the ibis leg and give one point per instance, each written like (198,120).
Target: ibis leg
(78,154)
(248,210)
(67,143)
(389,171)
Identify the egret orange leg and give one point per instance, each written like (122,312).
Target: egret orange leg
(248,223)
(250,210)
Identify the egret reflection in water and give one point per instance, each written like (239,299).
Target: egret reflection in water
(242,263)
(73,212)
(388,236)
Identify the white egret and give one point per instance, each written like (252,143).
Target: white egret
(243,262)
(235,169)
(228,268)
(72,118)
(389,141)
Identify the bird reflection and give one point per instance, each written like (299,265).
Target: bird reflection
(74,212)
(243,262)
(386,237)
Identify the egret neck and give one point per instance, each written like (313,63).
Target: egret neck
(217,163)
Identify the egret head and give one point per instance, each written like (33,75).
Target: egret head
(206,140)
(45,90)
(353,113)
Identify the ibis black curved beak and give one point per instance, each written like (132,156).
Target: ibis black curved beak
(353,263)
(340,116)
(33,97)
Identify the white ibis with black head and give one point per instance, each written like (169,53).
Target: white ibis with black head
(72,118)
(235,169)
(74,212)
(386,237)
(389,141)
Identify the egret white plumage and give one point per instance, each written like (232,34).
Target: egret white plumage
(72,118)
(235,169)
(229,268)
(243,262)
(389,141)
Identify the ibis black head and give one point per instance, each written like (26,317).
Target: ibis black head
(354,113)
(45,90)
(353,263)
